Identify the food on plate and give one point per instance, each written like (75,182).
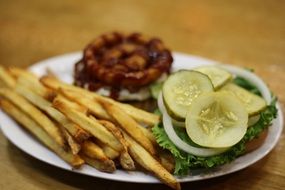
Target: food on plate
(106,137)
(217,75)
(93,127)
(148,162)
(103,166)
(42,120)
(166,159)
(110,152)
(123,66)
(130,125)
(180,90)
(253,104)
(125,159)
(91,150)
(84,99)
(139,115)
(216,120)
(205,127)
(208,117)
(6,78)
(74,146)
(34,128)
(78,133)
(31,81)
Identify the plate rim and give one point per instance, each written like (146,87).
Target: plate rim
(41,64)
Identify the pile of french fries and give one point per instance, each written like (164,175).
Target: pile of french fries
(84,127)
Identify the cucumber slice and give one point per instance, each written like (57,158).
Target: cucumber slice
(253,103)
(218,76)
(216,120)
(181,88)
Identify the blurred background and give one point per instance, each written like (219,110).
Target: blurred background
(248,33)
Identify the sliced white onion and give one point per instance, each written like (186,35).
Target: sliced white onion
(251,77)
(168,127)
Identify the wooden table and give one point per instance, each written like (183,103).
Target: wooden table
(245,33)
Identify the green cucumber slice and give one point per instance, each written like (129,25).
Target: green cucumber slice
(254,104)
(216,120)
(218,76)
(181,88)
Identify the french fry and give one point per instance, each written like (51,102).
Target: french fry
(126,160)
(114,130)
(68,123)
(95,128)
(139,115)
(109,152)
(103,166)
(6,78)
(167,160)
(38,132)
(16,72)
(78,133)
(149,135)
(93,151)
(30,80)
(74,146)
(87,101)
(35,114)
(129,125)
(95,108)
(143,158)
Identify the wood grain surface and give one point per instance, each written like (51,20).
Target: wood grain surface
(248,33)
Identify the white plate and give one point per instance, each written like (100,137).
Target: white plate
(63,67)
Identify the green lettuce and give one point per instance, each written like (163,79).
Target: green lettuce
(155,89)
(185,161)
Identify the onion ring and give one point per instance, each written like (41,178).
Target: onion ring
(120,60)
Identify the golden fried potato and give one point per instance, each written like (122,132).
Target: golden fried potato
(129,125)
(35,114)
(6,78)
(74,146)
(147,161)
(139,115)
(91,126)
(30,80)
(109,151)
(87,101)
(126,160)
(34,128)
(104,166)
(78,133)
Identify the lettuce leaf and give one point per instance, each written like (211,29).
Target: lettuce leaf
(185,161)
(155,89)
